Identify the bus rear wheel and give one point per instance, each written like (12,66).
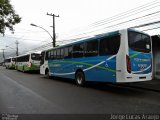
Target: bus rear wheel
(80,78)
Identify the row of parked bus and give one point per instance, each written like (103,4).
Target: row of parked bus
(119,57)
(27,62)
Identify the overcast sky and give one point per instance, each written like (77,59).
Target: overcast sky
(74,16)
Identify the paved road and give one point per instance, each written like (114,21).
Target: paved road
(32,93)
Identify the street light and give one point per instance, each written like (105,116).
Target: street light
(44,30)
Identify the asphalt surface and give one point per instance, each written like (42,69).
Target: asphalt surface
(25,93)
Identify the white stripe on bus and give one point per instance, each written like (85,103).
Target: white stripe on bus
(143,70)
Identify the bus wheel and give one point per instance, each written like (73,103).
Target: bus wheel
(80,78)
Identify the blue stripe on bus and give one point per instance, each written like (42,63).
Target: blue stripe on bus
(100,68)
(140,62)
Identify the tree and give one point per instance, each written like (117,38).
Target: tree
(8,17)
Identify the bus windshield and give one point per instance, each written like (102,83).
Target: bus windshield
(35,56)
(139,42)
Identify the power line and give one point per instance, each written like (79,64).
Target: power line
(155,2)
(113,26)
(125,14)
(156,22)
(20,38)
(48,44)
(151,29)
(29,30)
(118,23)
(121,17)
(143,25)
(130,12)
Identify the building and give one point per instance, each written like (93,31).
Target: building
(156,55)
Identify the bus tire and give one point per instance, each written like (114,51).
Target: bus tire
(80,78)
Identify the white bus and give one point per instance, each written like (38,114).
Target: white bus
(28,62)
(44,69)
(10,63)
(117,57)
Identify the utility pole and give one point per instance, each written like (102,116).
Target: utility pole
(54,34)
(17,47)
(3,54)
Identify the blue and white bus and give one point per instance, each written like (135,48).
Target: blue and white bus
(117,57)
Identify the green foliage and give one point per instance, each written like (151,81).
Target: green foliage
(8,17)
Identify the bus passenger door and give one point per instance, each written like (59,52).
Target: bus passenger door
(42,63)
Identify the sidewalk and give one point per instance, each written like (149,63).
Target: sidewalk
(153,85)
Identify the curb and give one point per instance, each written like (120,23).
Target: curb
(142,87)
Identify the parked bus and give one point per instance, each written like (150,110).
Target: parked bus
(28,62)
(117,57)
(10,63)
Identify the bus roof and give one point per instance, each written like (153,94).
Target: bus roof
(79,40)
(84,39)
(9,58)
(27,54)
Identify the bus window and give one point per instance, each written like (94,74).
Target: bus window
(109,45)
(91,48)
(62,53)
(42,58)
(23,58)
(58,54)
(66,52)
(70,52)
(139,42)
(8,60)
(26,58)
(47,55)
(78,50)
(35,56)
(51,54)
(55,54)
